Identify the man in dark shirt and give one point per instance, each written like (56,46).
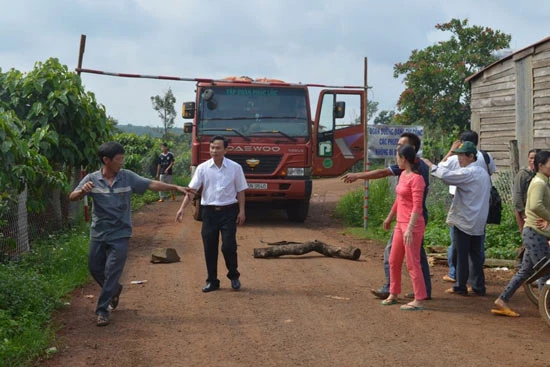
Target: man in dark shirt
(164,169)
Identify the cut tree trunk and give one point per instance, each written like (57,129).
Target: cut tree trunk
(350,253)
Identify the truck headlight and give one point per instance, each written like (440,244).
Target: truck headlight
(296,172)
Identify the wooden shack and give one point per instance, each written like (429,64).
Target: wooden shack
(511,102)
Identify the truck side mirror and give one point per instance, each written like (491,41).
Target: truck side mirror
(188,110)
(339,110)
(188,127)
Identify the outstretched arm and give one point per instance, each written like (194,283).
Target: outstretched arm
(368,175)
(162,186)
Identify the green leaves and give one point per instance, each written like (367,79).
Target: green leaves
(436,95)
(48,124)
(165,108)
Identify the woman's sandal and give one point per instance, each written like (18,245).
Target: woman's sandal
(389,301)
(102,320)
(409,307)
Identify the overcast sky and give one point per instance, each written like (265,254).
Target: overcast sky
(309,41)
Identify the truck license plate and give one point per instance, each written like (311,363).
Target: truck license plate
(257,186)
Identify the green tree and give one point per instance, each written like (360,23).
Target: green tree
(165,109)
(50,95)
(22,163)
(51,100)
(372,108)
(436,94)
(385,117)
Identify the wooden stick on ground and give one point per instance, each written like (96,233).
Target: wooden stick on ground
(350,253)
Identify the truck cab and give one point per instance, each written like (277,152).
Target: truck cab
(274,137)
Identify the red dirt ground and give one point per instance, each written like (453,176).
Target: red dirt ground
(305,310)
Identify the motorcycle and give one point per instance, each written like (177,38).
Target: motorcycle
(540,297)
(544,302)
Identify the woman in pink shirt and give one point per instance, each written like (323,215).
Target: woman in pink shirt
(409,229)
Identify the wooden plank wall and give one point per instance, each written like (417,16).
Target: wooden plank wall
(493,106)
(511,100)
(541,96)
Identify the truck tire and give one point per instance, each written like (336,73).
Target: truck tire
(197,208)
(297,210)
(544,303)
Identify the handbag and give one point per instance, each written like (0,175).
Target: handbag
(495,201)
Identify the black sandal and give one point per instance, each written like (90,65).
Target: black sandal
(102,320)
(113,303)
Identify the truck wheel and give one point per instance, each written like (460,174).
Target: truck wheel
(197,207)
(297,210)
(544,303)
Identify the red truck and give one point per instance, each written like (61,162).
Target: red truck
(275,138)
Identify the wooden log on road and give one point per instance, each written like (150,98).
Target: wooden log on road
(350,253)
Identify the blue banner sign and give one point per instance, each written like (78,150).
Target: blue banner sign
(382,139)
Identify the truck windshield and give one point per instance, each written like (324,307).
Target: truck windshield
(253,111)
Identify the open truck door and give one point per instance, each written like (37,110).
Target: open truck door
(338,132)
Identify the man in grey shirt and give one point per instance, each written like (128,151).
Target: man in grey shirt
(110,188)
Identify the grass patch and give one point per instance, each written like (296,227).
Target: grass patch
(501,241)
(33,287)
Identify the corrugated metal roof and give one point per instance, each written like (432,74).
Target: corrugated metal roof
(474,76)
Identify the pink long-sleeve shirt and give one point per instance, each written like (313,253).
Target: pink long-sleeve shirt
(410,191)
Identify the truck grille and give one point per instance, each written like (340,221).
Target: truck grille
(268,163)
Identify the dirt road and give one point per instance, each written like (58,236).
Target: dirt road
(293,311)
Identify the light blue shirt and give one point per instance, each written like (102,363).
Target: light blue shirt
(220,185)
(470,205)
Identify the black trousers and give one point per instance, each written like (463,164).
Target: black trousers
(216,220)
(468,262)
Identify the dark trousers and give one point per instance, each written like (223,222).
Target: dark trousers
(468,262)
(216,220)
(106,261)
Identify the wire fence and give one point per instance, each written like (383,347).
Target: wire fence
(20,227)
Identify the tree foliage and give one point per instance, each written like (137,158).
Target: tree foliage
(48,124)
(436,94)
(165,109)
(385,117)
(51,96)
(22,162)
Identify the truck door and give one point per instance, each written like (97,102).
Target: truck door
(338,132)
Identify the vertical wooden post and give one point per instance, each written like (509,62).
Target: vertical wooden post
(82,171)
(81,52)
(365,147)
(514,156)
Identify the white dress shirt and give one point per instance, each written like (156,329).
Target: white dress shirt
(220,185)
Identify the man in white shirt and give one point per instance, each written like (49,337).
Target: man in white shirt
(468,215)
(450,161)
(222,199)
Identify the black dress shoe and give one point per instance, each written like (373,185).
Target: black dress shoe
(235,284)
(380,293)
(211,286)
